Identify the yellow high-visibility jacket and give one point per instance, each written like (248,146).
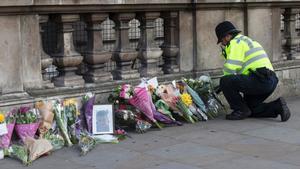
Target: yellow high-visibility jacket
(243,54)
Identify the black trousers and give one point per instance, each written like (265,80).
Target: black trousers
(249,92)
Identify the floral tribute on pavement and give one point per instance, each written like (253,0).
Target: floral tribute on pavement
(49,125)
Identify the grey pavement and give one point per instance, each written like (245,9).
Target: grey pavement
(216,144)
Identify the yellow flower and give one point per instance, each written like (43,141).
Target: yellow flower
(68,102)
(2,118)
(186,99)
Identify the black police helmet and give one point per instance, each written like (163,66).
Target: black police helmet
(224,28)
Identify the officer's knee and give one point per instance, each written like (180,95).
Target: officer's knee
(225,81)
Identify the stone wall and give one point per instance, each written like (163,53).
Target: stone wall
(20,50)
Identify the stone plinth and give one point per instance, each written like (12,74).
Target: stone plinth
(95,56)
(67,59)
(124,54)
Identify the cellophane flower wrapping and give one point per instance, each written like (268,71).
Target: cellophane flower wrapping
(10,124)
(27,122)
(46,111)
(56,140)
(143,102)
(142,126)
(37,148)
(204,88)
(86,143)
(88,103)
(70,108)
(172,98)
(17,152)
(163,107)
(61,121)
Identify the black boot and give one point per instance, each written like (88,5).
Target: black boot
(238,115)
(282,109)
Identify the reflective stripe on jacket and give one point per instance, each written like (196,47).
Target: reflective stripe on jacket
(243,54)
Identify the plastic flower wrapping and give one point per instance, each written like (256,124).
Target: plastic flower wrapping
(62,121)
(143,102)
(10,124)
(27,122)
(66,122)
(70,108)
(209,102)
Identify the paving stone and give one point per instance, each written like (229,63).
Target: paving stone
(191,153)
(234,126)
(178,130)
(174,165)
(283,134)
(210,137)
(290,158)
(142,161)
(102,157)
(261,148)
(147,141)
(250,163)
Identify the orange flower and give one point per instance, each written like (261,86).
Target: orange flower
(151,89)
(2,118)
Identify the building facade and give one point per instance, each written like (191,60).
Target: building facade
(65,48)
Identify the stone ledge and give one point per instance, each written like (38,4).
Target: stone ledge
(14,7)
(286,70)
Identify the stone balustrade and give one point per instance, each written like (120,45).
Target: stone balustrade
(99,44)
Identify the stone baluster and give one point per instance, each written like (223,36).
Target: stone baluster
(95,56)
(170,46)
(66,58)
(290,34)
(123,54)
(46,59)
(149,52)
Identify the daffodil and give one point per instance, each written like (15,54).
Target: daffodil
(187,99)
(69,102)
(2,118)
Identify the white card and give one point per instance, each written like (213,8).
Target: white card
(3,129)
(1,154)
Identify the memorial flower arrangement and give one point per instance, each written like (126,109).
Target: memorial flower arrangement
(49,125)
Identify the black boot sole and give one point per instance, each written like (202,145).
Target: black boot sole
(285,114)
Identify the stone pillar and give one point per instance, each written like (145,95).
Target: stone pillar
(290,34)
(45,58)
(123,54)
(95,56)
(66,58)
(149,52)
(266,30)
(186,41)
(170,46)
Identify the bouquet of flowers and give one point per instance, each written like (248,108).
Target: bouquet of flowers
(3,128)
(61,121)
(71,112)
(37,148)
(87,109)
(119,97)
(143,102)
(204,87)
(47,116)
(17,152)
(56,140)
(86,143)
(27,122)
(9,121)
(172,98)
